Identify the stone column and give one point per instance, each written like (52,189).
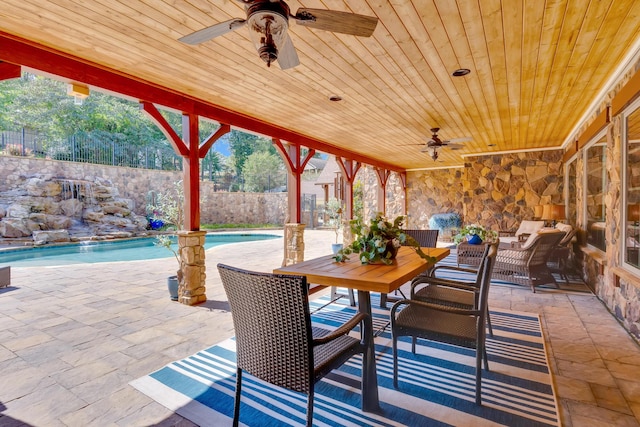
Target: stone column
(191,289)
(294,245)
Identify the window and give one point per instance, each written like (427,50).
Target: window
(631,211)
(596,185)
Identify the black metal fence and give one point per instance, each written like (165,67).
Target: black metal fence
(90,149)
(108,150)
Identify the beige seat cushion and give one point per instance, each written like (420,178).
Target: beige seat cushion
(533,236)
(529,227)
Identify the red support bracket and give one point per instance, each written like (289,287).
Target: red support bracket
(178,144)
(206,145)
(383,177)
(349,169)
(295,165)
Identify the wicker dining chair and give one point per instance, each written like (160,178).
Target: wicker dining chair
(426,239)
(274,337)
(436,289)
(464,327)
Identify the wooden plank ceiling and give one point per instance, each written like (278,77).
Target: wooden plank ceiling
(536,66)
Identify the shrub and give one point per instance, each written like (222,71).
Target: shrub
(443,221)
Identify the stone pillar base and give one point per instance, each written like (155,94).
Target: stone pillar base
(294,244)
(191,289)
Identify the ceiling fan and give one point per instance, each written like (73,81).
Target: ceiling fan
(268,21)
(434,142)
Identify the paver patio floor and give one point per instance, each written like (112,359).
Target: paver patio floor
(72,337)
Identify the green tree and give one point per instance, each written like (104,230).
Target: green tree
(358,200)
(263,171)
(244,144)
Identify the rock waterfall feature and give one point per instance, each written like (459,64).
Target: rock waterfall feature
(54,209)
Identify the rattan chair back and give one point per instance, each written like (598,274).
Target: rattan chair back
(425,238)
(272,325)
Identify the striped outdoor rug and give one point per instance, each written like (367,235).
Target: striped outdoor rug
(436,384)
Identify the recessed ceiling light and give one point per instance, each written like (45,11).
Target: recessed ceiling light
(491,145)
(335,98)
(461,72)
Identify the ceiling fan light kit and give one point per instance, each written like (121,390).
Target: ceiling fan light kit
(268,24)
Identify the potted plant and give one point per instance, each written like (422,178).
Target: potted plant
(173,282)
(334,211)
(475,234)
(168,208)
(378,241)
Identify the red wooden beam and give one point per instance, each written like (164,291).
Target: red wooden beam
(9,71)
(191,166)
(21,51)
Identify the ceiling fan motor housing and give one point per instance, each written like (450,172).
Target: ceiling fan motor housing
(268,24)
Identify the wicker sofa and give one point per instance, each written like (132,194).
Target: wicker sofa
(525,229)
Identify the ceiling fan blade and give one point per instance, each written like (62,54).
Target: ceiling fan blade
(337,22)
(213,31)
(288,57)
(458,140)
(455,146)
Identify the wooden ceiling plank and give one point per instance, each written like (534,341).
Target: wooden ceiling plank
(408,44)
(531,54)
(607,42)
(553,22)
(573,21)
(492,21)
(512,22)
(476,107)
(470,13)
(577,62)
(395,84)
(300,106)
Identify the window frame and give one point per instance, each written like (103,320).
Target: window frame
(573,160)
(595,141)
(634,107)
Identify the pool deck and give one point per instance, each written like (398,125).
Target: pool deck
(72,337)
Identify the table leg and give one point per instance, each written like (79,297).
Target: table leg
(370,400)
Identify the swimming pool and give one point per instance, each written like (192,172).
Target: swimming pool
(103,251)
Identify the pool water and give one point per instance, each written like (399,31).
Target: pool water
(121,250)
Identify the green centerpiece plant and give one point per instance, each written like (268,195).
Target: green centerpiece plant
(378,241)
(475,230)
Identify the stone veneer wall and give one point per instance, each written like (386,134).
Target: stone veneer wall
(432,192)
(497,191)
(395,196)
(501,190)
(135,183)
(617,288)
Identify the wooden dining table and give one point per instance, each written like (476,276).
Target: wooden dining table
(366,278)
